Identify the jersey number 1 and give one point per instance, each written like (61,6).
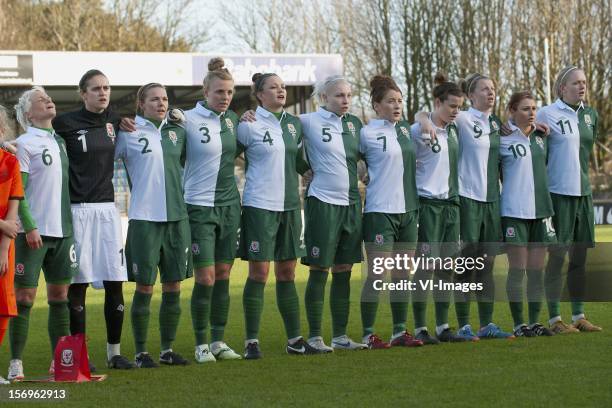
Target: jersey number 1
(84,142)
(384,139)
(567,122)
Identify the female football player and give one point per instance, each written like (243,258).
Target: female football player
(573,130)
(158,233)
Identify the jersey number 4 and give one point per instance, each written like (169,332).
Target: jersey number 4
(268,139)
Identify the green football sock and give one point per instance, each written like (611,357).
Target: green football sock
(289,307)
(442,298)
(577,308)
(399,308)
(169,315)
(369,306)
(441,312)
(219,309)
(419,300)
(252,302)
(554,309)
(514,290)
(535,288)
(200,311)
(462,309)
(339,301)
(419,310)
(59,321)
(18,330)
(553,283)
(485,312)
(141,304)
(314,298)
(486,297)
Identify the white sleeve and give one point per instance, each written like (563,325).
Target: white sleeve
(362,141)
(121,145)
(243,134)
(415,131)
(541,116)
(23,155)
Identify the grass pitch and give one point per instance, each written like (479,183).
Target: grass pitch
(564,371)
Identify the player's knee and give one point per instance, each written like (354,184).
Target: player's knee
(170,286)
(57,293)
(285,274)
(222,271)
(25,295)
(258,271)
(205,276)
(342,268)
(146,289)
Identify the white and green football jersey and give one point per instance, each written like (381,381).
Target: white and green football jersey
(153,158)
(436,167)
(525,186)
(211,150)
(42,154)
(390,155)
(570,143)
(332,150)
(272,146)
(478,155)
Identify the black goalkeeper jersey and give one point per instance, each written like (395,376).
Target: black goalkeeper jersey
(90,141)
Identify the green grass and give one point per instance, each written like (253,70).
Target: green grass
(563,370)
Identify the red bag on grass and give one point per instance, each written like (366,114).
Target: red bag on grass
(71,361)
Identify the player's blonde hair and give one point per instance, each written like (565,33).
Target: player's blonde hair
(562,78)
(141,95)
(24,104)
(322,87)
(216,70)
(4,122)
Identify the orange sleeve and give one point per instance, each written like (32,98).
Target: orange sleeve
(16,192)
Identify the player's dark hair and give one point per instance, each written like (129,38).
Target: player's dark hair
(259,80)
(444,88)
(84,82)
(517,97)
(379,86)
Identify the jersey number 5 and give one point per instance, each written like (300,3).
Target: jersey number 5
(327,137)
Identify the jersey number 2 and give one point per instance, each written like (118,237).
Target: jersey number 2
(145,148)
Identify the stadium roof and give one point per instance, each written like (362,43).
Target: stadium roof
(182,73)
